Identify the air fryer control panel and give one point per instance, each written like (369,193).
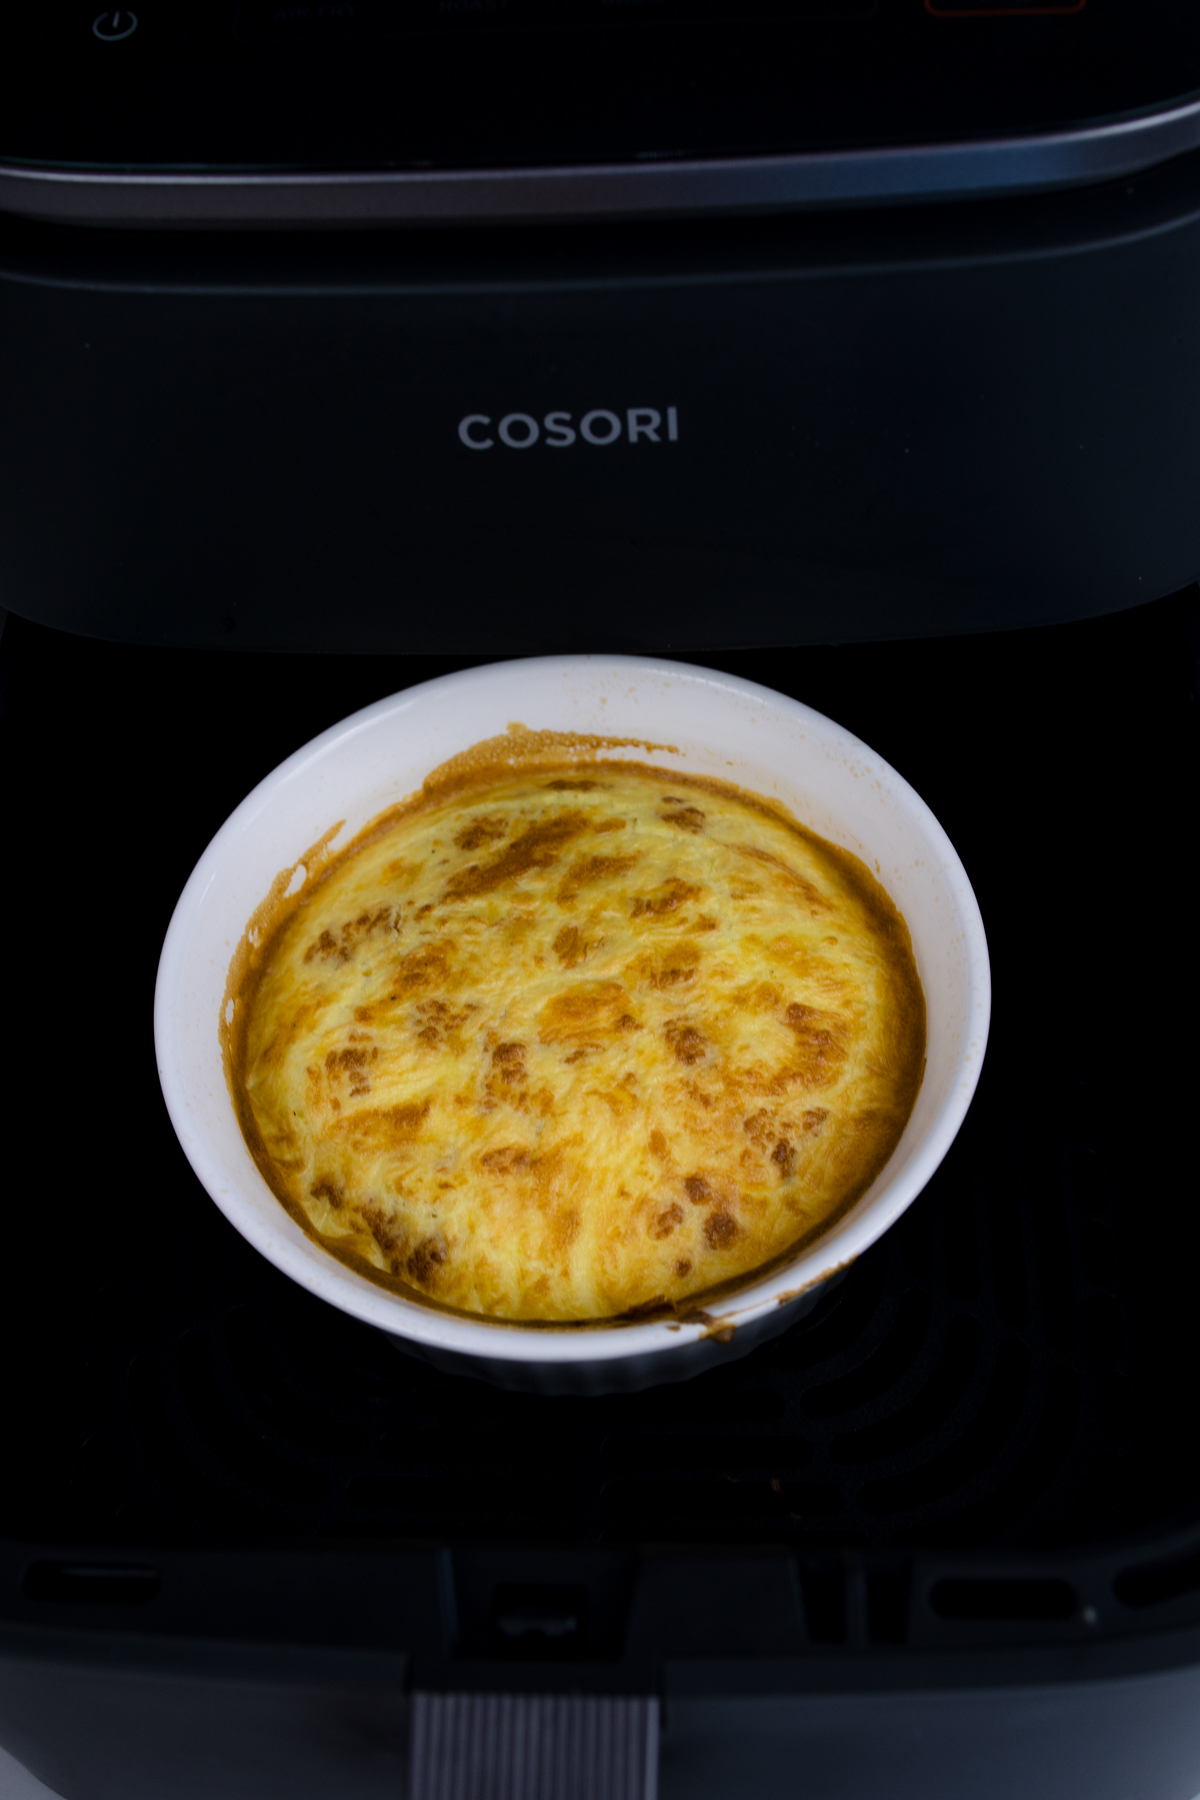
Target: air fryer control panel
(426,84)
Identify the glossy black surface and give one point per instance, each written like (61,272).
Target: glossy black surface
(891,422)
(1005,1369)
(439,83)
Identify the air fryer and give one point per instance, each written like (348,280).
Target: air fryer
(850,345)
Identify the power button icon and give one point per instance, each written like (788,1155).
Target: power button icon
(111,27)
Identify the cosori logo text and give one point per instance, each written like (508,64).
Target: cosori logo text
(558,431)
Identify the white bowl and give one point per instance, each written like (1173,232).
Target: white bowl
(716,725)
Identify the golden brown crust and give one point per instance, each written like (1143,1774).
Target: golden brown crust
(564,1039)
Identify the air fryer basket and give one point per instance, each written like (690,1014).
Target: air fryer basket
(979,1448)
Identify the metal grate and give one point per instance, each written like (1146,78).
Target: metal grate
(967,1383)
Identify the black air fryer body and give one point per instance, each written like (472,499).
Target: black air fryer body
(853,346)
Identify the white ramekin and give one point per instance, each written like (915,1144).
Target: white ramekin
(715,725)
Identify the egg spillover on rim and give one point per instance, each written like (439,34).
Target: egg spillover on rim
(565,1038)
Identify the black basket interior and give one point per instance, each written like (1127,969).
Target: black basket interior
(1003,1372)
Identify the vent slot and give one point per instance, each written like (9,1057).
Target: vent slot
(993,1598)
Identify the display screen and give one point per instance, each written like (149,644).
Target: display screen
(429,84)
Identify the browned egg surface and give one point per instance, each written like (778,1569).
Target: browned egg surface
(569,1044)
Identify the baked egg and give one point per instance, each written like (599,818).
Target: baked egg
(570,1040)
